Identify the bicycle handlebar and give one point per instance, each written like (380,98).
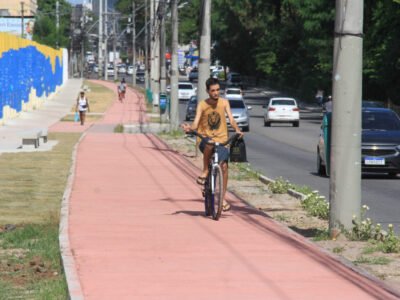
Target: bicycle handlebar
(211,142)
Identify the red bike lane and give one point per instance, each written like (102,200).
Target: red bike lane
(137,231)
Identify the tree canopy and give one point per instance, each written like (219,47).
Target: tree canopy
(290,42)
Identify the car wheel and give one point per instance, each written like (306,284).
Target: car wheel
(267,124)
(296,124)
(321,169)
(392,174)
(246,129)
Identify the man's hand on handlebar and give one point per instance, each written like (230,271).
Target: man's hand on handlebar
(239,132)
(186,127)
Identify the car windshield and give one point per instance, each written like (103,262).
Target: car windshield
(193,100)
(386,120)
(235,78)
(233,92)
(185,87)
(236,104)
(372,104)
(283,102)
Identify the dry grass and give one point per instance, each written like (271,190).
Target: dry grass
(100,97)
(32,183)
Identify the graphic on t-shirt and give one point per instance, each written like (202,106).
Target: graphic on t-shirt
(214,120)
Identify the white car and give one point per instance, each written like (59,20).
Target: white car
(234,93)
(122,69)
(110,71)
(130,70)
(186,90)
(282,110)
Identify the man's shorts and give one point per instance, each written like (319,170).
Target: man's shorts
(223,152)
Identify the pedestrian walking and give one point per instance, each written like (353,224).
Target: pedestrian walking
(121,90)
(82,106)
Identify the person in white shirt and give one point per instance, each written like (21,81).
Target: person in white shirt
(328,105)
(82,106)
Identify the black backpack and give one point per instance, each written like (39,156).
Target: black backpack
(238,151)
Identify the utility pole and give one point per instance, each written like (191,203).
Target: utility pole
(82,41)
(156,58)
(174,68)
(134,41)
(163,70)
(205,55)
(106,40)
(146,45)
(115,47)
(22,19)
(57,23)
(100,50)
(345,173)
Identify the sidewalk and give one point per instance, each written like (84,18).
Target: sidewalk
(48,114)
(138,231)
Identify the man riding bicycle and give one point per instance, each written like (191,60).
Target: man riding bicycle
(210,122)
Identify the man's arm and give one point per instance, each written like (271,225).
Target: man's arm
(231,119)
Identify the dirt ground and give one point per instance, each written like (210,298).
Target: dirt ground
(288,211)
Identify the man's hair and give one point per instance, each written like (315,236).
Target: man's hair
(211,81)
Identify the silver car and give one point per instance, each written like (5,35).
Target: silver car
(240,113)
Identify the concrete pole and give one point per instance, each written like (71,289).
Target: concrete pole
(205,53)
(134,42)
(151,44)
(174,68)
(115,47)
(345,173)
(82,41)
(57,23)
(100,50)
(106,39)
(163,70)
(156,63)
(22,19)
(146,45)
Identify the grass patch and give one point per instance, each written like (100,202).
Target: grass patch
(372,260)
(242,171)
(321,235)
(31,189)
(119,128)
(338,250)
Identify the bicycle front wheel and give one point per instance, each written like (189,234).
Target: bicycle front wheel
(217,192)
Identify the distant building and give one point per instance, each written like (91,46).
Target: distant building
(12,8)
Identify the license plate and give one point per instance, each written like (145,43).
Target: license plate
(376,161)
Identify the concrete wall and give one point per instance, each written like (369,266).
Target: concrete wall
(29,74)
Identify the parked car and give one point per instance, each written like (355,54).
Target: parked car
(96,68)
(372,104)
(186,90)
(282,110)
(130,70)
(233,93)
(234,80)
(191,108)
(110,71)
(194,75)
(140,76)
(380,148)
(122,69)
(240,113)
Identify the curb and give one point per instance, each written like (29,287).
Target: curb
(74,286)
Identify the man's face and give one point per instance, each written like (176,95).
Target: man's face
(213,92)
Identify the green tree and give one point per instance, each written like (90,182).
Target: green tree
(45,31)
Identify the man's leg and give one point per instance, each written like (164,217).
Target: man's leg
(206,158)
(224,167)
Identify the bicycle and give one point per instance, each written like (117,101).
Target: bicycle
(213,186)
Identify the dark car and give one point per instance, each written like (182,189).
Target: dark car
(191,108)
(380,143)
(234,80)
(372,104)
(140,76)
(193,75)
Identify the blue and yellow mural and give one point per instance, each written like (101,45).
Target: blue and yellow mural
(29,73)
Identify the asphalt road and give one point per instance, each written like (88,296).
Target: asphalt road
(282,150)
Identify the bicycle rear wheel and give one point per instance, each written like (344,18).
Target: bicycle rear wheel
(217,192)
